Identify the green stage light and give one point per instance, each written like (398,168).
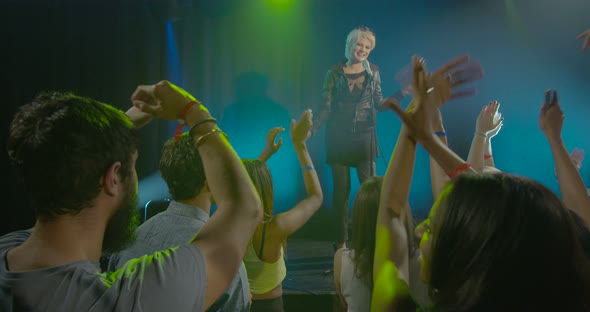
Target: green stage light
(281,4)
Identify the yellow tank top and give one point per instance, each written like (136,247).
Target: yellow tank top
(262,276)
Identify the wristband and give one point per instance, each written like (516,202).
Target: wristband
(201,138)
(206,120)
(486,157)
(440,133)
(307,168)
(456,172)
(185,110)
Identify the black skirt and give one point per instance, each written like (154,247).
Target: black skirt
(350,147)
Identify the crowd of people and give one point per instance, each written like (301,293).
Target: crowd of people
(493,241)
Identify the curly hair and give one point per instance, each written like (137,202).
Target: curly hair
(181,167)
(61,144)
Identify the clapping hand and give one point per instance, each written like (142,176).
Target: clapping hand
(449,80)
(272,145)
(577,157)
(418,118)
(489,121)
(301,130)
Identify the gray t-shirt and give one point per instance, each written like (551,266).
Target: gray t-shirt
(170,280)
(178,225)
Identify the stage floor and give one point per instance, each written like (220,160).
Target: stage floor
(309,285)
(309,268)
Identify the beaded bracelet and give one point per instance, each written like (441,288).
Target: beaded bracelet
(440,133)
(210,119)
(185,110)
(486,157)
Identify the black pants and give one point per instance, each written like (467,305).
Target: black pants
(340,202)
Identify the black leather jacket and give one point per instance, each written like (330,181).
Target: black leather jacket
(336,95)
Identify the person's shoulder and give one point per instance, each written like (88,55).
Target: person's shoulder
(185,272)
(337,68)
(14,239)
(340,252)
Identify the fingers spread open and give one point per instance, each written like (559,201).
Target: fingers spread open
(463,93)
(471,72)
(453,63)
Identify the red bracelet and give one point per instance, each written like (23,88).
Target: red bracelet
(486,157)
(456,172)
(187,107)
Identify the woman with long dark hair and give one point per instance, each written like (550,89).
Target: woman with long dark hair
(492,242)
(353,267)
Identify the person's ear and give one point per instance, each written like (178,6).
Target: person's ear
(111,180)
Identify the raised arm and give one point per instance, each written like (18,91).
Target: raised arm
(223,239)
(486,124)
(390,289)
(290,221)
(390,266)
(438,177)
(488,157)
(391,247)
(571,184)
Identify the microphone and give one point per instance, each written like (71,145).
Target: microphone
(368,68)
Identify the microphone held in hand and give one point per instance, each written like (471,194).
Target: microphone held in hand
(368,68)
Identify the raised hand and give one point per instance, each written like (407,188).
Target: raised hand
(489,120)
(301,130)
(499,120)
(404,77)
(551,116)
(577,157)
(164,100)
(422,111)
(272,145)
(586,37)
(448,80)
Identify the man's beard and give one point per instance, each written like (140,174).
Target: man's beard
(120,230)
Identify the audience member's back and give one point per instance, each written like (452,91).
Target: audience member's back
(182,169)
(76,159)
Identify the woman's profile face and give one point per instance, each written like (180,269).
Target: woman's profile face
(425,233)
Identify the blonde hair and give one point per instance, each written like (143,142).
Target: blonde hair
(354,36)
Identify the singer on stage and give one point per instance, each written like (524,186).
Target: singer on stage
(351,96)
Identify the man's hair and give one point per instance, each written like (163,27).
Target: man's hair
(502,242)
(62,144)
(181,167)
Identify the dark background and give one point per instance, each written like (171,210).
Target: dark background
(258,63)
